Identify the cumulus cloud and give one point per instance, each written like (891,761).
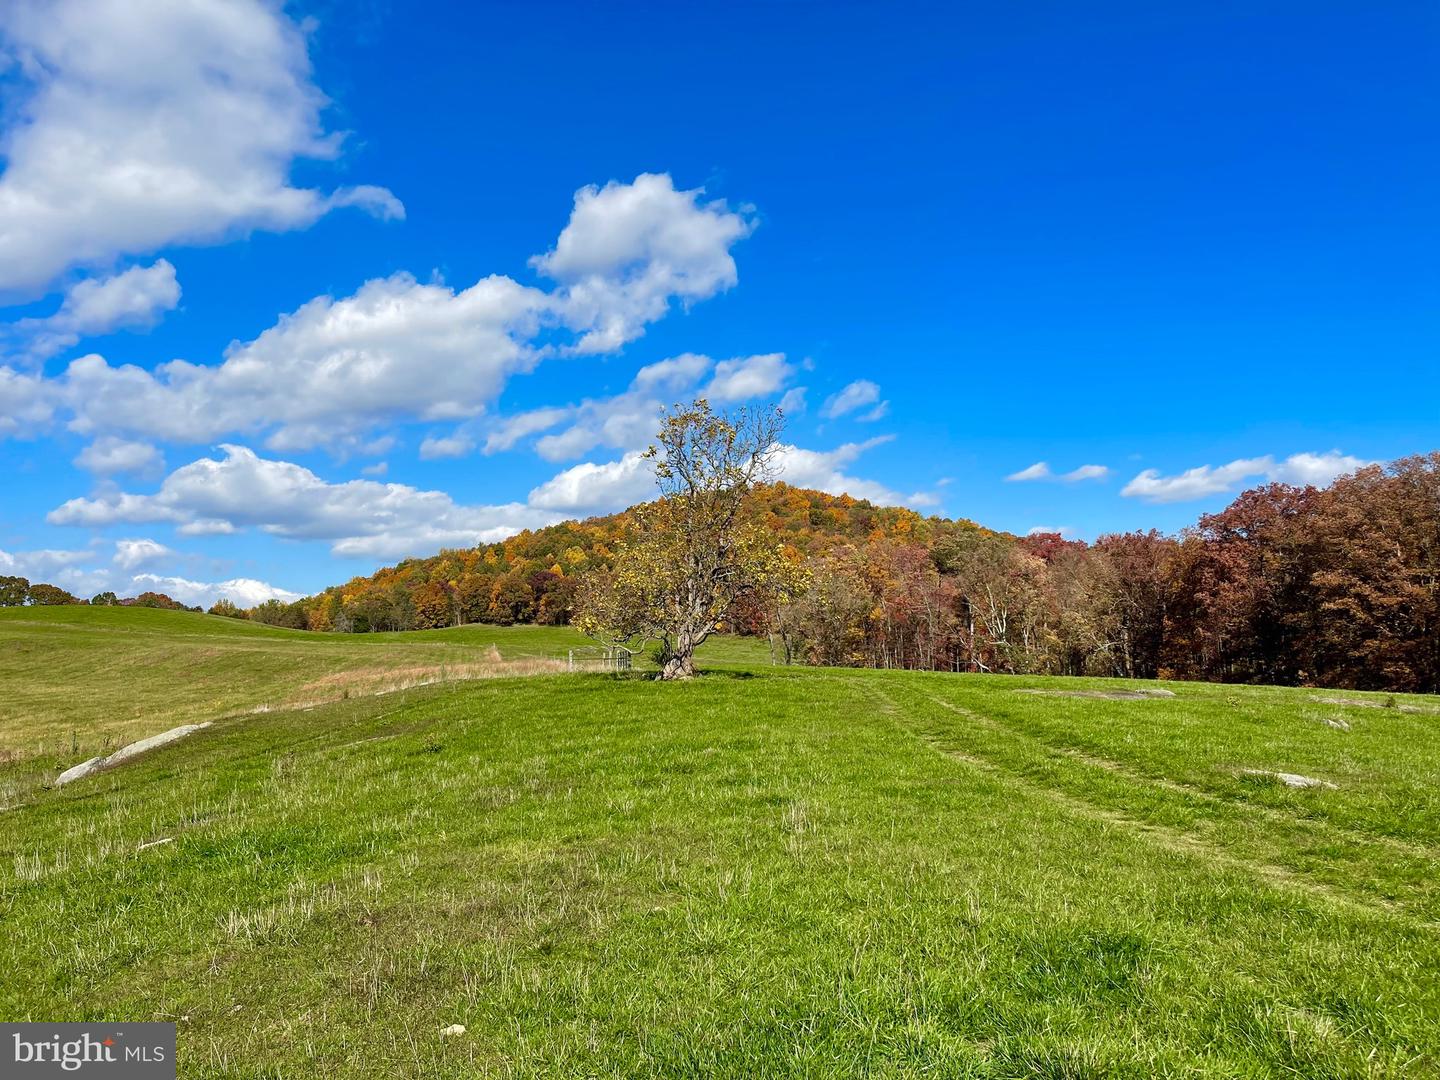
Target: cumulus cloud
(39,564)
(242,592)
(793,403)
(27,403)
(748,377)
(672,375)
(359,517)
(1316,469)
(110,455)
(855,396)
(396,350)
(628,420)
(594,488)
(630,249)
(1066,531)
(140,126)
(446,446)
(1206,480)
(134,299)
(133,554)
(1039,471)
(523,425)
(823,470)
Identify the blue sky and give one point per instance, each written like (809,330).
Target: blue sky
(429,276)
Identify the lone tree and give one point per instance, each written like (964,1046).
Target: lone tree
(693,556)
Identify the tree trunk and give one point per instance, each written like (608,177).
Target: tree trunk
(678,666)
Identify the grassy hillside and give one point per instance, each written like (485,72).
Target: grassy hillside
(769,871)
(78,681)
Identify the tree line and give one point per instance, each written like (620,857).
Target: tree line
(21,592)
(1287,585)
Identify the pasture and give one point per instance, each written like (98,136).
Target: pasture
(767,871)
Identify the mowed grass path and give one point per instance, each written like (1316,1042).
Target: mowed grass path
(766,872)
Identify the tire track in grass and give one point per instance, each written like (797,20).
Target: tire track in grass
(1280,817)
(1170,836)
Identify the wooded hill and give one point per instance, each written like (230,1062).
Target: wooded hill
(531,577)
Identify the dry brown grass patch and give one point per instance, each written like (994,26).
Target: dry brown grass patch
(373,681)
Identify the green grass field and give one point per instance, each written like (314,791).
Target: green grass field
(765,872)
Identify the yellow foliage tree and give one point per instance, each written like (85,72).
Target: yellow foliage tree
(693,557)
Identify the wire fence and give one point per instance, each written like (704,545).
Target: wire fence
(602,658)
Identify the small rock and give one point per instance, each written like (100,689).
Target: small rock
(453,1029)
(1290,779)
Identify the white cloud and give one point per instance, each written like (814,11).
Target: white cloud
(109,455)
(141,126)
(747,377)
(133,299)
(380,468)
(359,517)
(1206,480)
(1195,483)
(242,592)
(856,395)
(397,349)
(449,446)
(595,488)
(133,554)
(1039,471)
(1316,469)
(37,565)
(629,420)
(629,249)
(523,425)
(1065,531)
(823,470)
(674,374)
(793,403)
(27,403)
(207,527)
